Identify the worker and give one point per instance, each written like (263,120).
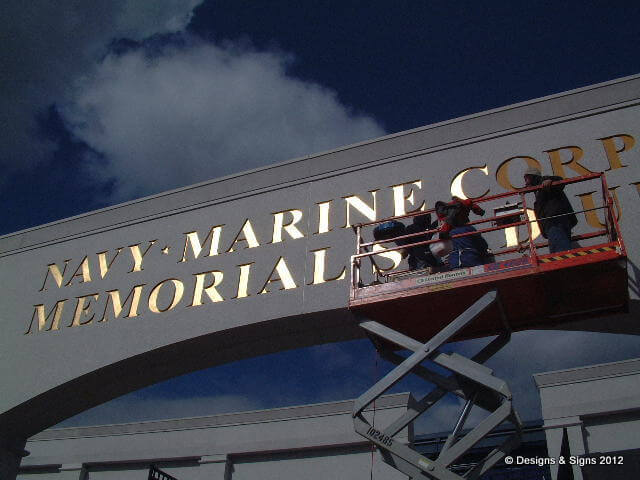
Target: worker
(468,251)
(420,256)
(551,201)
(465,251)
(455,214)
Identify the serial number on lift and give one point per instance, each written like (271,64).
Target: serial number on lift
(379,436)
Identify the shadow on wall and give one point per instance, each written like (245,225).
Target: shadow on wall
(626,323)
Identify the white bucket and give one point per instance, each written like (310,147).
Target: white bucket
(441,248)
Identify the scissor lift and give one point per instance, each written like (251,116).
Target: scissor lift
(412,310)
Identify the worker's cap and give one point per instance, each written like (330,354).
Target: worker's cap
(422,220)
(533,171)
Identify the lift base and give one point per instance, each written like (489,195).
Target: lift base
(470,381)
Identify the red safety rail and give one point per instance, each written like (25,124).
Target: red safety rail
(537,289)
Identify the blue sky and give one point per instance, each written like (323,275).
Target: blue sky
(104,104)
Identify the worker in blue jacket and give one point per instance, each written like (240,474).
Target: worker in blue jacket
(467,251)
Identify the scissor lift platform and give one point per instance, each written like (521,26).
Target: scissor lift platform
(420,311)
(536,293)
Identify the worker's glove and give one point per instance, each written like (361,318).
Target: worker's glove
(477,210)
(445,228)
(467,202)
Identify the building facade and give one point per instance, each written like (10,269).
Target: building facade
(258,262)
(592,419)
(310,441)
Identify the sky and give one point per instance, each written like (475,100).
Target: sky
(106,102)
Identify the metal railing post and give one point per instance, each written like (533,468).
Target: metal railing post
(608,201)
(358,262)
(532,249)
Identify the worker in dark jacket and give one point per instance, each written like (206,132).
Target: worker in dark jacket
(467,251)
(551,201)
(455,214)
(419,256)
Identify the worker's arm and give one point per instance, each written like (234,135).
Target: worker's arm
(547,181)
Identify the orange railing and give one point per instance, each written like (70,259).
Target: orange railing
(364,249)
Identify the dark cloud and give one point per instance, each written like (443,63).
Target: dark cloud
(157,116)
(45,46)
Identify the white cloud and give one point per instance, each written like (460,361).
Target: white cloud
(442,417)
(527,353)
(531,352)
(191,114)
(332,357)
(202,111)
(46,45)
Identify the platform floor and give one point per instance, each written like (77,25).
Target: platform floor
(576,284)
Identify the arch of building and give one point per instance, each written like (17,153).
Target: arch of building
(110,301)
